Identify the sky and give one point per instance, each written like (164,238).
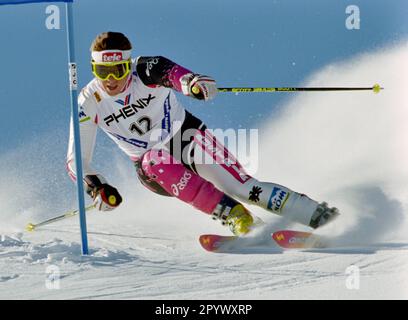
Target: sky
(239,43)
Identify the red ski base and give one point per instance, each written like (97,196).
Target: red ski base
(212,242)
(288,239)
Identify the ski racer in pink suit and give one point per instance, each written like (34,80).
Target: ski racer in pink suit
(133,102)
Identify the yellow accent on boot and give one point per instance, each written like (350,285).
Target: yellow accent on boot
(239,220)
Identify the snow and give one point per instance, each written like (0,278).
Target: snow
(347,148)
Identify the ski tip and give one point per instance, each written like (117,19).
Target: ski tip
(207,241)
(212,242)
(30,227)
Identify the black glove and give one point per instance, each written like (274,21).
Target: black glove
(105,196)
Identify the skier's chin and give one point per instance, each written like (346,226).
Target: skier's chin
(112,91)
(114,88)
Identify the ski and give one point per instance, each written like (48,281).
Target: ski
(290,239)
(286,239)
(216,243)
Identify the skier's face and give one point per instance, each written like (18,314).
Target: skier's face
(112,86)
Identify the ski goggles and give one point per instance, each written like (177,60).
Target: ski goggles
(118,70)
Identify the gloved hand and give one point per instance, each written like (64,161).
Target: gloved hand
(105,197)
(198,86)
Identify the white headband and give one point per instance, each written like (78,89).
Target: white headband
(111,55)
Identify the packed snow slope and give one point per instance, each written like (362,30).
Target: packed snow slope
(350,149)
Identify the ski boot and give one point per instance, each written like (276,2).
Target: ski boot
(239,220)
(235,216)
(323,215)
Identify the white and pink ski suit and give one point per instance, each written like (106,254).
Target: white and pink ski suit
(145,119)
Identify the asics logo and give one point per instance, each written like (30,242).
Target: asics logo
(180,186)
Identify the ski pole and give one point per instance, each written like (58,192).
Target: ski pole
(32,226)
(375,88)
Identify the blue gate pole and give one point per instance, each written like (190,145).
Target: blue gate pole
(73,79)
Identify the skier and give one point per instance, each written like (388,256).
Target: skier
(132,100)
